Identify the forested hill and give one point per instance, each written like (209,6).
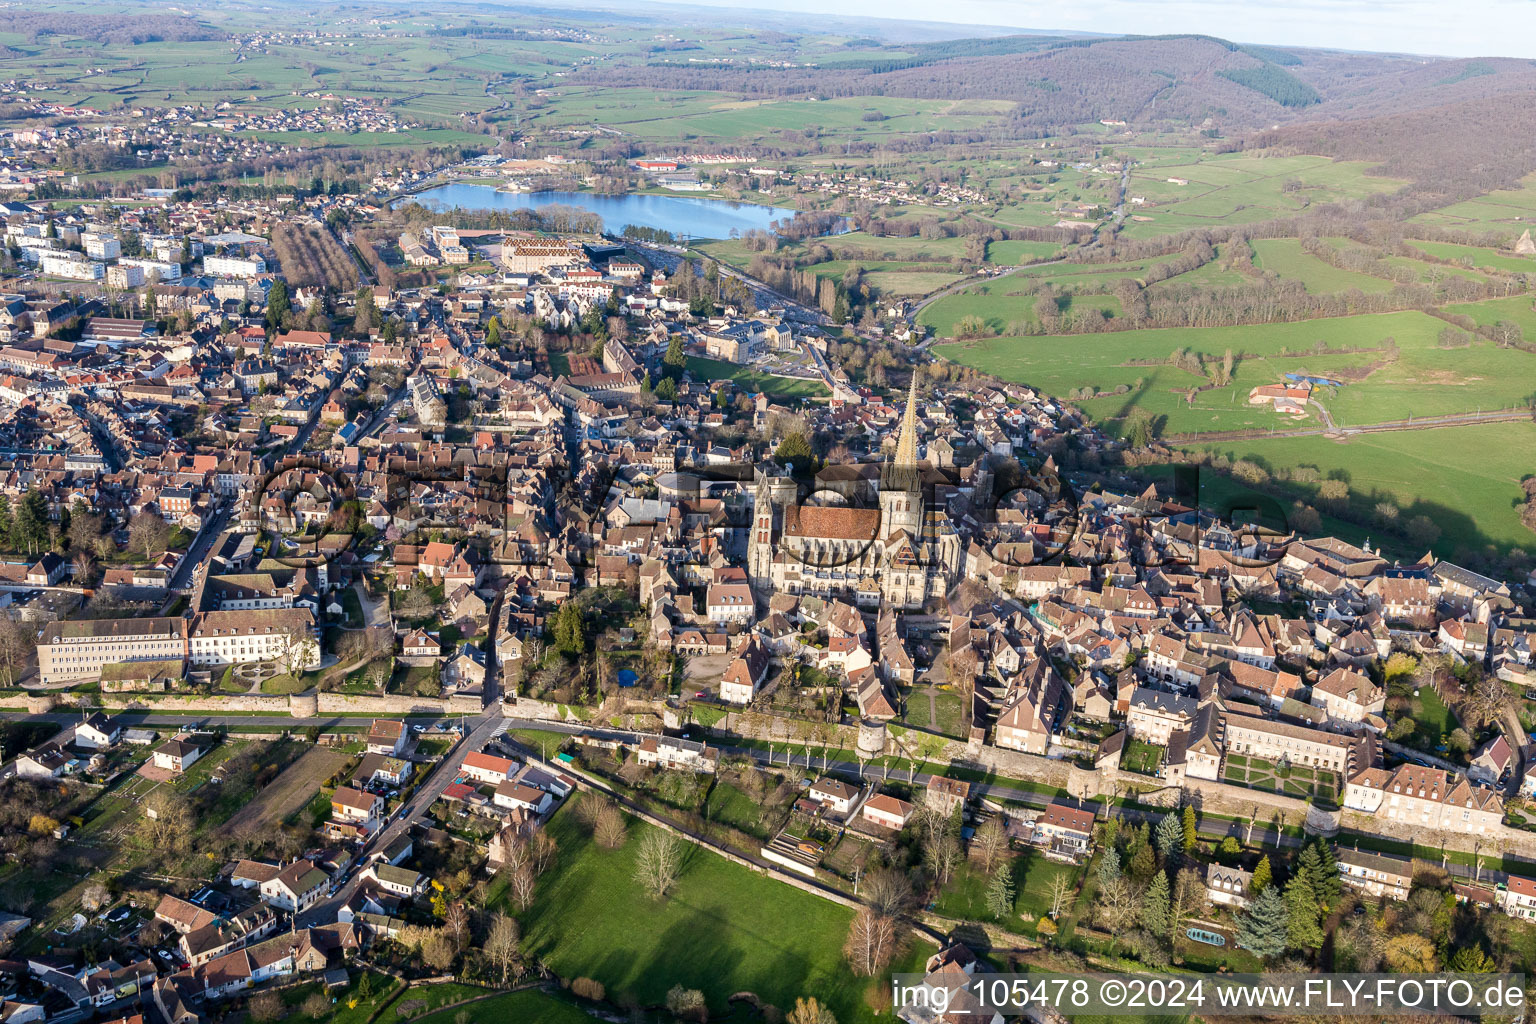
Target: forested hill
(1142,80)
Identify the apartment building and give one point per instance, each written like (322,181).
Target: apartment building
(1297,744)
(1425,798)
(1377,874)
(1156,715)
(269,634)
(79,649)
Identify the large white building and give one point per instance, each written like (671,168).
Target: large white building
(233,266)
(271,634)
(79,649)
(62,263)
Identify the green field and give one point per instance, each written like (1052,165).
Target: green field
(1479,257)
(1284,257)
(1513,210)
(1430,472)
(1011,252)
(751,380)
(528,1007)
(724,929)
(1424,379)
(1242,189)
(966,895)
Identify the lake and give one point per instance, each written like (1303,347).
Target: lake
(681,215)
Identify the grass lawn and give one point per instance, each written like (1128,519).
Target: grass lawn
(731,806)
(349,1007)
(949,707)
(1434,722)
(723,929)
(352,609)
(528,1007)
(751,380)
(1013,251)
(284,684)
(966,894)
(1141,757)
(426,998)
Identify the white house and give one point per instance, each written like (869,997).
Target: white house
(488,768)
(98,732)
(836,794)
(179,754)
(887,811)
(519,795)
(296,887)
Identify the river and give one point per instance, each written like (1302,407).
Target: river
(689,216)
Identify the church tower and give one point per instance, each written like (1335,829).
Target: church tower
(760,543)
(901,499)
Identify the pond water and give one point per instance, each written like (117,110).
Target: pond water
(681,215)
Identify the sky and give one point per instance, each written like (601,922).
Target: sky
(1459,28)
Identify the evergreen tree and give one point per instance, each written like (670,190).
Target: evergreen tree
(646,385)
(1262,928)
(1144,863)
(1303,928)
(1156,908)
(1109,867)
(277,304)
(1191,829)
(667,390)
(1169,836)
(493,333)
(570,630)
(367,317)
(1000,893)
(29,529)
(1327,883)
(675,357)
(1471,960)
(795,448)
(1263,876)
(5,521)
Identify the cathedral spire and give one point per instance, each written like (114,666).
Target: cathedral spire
(906,444)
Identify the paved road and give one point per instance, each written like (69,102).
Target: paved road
(201,545)
(482,729)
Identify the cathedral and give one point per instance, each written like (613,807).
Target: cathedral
(867,533)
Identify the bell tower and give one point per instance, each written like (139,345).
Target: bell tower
(901,499)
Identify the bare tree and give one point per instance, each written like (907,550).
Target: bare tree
(989,844)
(1059,893)
(1118,905)
(501,943)
(1191,899)
(456,923)
(167,821)
(299,651)
(608,828)
(888,892)
(872,941)
(265,1007)
(659,862)
(15,647)
(521,882)
(810,1011)
(148,534)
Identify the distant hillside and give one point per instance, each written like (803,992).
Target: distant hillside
(1184,79)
